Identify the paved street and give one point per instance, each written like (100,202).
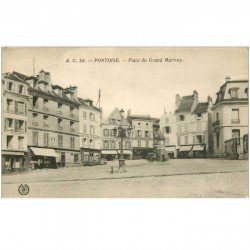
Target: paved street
(176,178)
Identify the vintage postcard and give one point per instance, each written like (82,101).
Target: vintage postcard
(142,122)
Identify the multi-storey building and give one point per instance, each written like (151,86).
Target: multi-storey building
(230,118)
(188,130)
(168,128)
(111,146)
(142,135)
(90,118)
(14,122)
(53,123)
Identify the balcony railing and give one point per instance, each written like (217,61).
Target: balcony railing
(234,121)
(216,123)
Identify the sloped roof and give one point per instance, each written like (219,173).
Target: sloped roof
(14,77)
(201,107)
(115,115)
(143,117)
(185,104)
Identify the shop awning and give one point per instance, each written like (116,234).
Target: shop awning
(49,152)
(185,148)
(170,149)
(12,153)
(109,152)
(198,147)
(126,152)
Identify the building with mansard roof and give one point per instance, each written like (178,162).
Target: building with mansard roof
(230,119)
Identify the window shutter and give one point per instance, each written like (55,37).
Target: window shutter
(169,129)
(16,125)
(25,108)
(5,124)
(16,106)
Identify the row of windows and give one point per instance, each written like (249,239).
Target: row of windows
(46,105)
(91,116)
(9,142)
(15,87)
(112,145)
(235,134)
(92,129)
(235,116)
(46,121)
(195,140)
(88,143)
(16,107)
(46,141)
(15,125)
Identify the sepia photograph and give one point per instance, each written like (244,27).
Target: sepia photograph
(124,122)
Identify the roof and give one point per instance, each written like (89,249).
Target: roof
(13,77)
(83,103)
(143,118)
(186,104)
(223,89)
(56,87)
(201,107)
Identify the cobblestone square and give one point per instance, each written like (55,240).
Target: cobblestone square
(192,178)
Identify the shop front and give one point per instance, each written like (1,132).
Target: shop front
(13,161)
(171,151)
(42,158)
(199,151)
(90,157)
(185,151)
(109,155)
(142,153)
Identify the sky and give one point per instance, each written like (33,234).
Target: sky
(143,87)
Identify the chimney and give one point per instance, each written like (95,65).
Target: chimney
(177,101)
(196,99)
(129,113)
(210,101)
(227,78)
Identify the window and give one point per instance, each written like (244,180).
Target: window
(127,145)
(10,105)
(35,117)
(186,139)
(72,142)
(59,105)
(84,128)
(10,86)
(9,124)
(20,142)
(92,130)
(112,121)
(106,145)
(234,93)
(147,144)
(199,138)
(76,158)
(217,116)
(72,111)
(59,123)
(217,139)
(235,116)
(246,91)
(45,121)
(146,134)
(9,141)
(20,107)
(72,126)
(46,139)
(198,125)
(45,104)
(178,140)
(181,117)
(35,138)
(112,145)
(106,132)
(139,143)
(35,102)
(91,116)
(179,128)
(199,115)
(235,133)
(19,126)
(139,134)
(21,89)
(60,141)
(84,115)
(167,129)
(186,127)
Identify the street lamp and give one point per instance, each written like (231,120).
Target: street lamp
(122,132)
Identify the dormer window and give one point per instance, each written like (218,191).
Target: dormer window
(233,93)
(199,115)
(71,111)
(20,89)
(59,105)
(181,117)
(10,86)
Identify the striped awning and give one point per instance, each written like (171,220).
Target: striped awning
(49,152)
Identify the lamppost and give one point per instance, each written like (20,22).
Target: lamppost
(122,132)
